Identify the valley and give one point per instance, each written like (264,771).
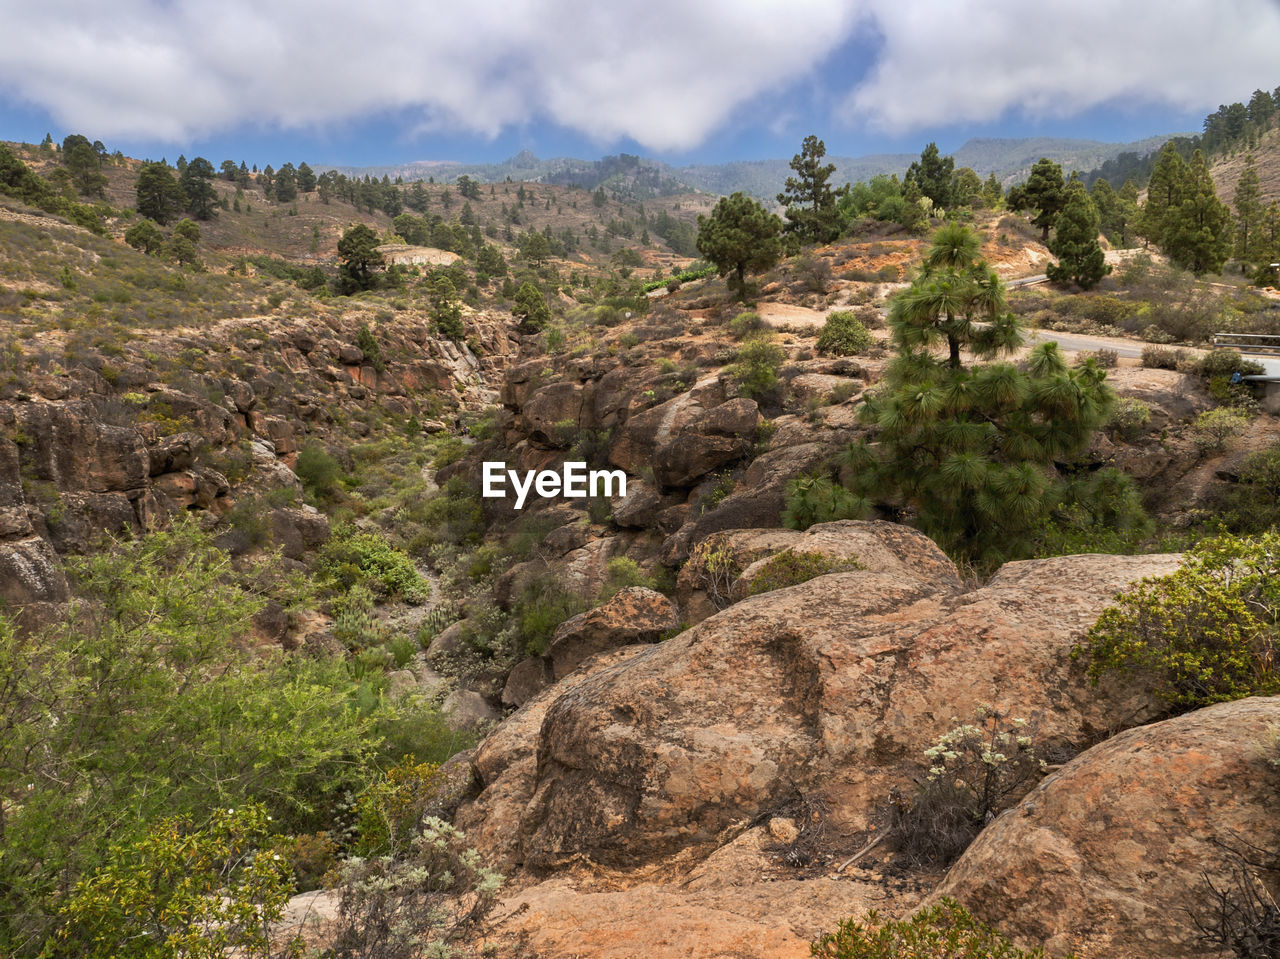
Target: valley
(475,566)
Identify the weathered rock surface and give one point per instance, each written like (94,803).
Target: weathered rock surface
(833,687)
(1111,855)
(506,764)
(634,615)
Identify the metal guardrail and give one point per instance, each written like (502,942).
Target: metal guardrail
(1258,343)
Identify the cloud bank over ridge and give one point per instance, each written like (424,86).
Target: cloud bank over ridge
(666,75)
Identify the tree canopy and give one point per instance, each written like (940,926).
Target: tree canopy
(158,194)
(358,252)
(932,175)
(1075,241)
(1045,192)
(809,200)
(1198,230)
(967,454)
(740,236)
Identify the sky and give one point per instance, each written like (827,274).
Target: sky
(687,81)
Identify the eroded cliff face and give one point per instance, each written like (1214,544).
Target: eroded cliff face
(189,422)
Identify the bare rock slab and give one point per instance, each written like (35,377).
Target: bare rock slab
(1112,855)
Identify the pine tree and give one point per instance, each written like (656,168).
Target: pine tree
(1197,233)
(197,187)
(1044,192)
(1075,241)
(968,453)
(1116,211)
(1164,192)
(1248,202)
(809,200)
(932,175)
(158,194)
(740,236)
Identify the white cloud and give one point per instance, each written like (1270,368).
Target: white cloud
(666,73)
(974,60)
(663,72)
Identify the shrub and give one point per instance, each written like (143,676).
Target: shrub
(790,568)
(352,558)
(844,335)
(1108,359)
(747,325)
(1129,418)
(975,771)
(182,891)
(1205,633)
(1251,505)
(942,930)
(543,605)
(1240,916)
(722,486)
(623,572)
(1213,428)
(370,347)
(756,369)
(389,810)
(1162,358)
(318,471)
(410,904)
(715,570)
(1224,363)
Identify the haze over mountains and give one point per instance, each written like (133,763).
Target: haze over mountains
(1010,159)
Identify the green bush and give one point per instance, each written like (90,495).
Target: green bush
(543,605)
(746,325)
(181,891)
(173,718)
(942,931)
(1212,429)
(365,558)
(790,568)
(844,335)
(756,369)
(319,472)
(1224,363)
(1251,505)
(623,572)
(1203,634)
(1129,418)
(370,347)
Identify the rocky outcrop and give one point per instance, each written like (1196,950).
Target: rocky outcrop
(1113,855)
(833,687)
(634,615)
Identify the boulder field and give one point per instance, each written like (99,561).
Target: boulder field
(667,779)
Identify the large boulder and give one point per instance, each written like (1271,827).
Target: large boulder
(31,574)
(708,441)
(634,615)
(1113,855)
(506,764)
(833,687)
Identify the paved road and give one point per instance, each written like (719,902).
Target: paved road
(1077,342)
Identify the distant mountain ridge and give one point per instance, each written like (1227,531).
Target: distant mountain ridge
(641,177)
